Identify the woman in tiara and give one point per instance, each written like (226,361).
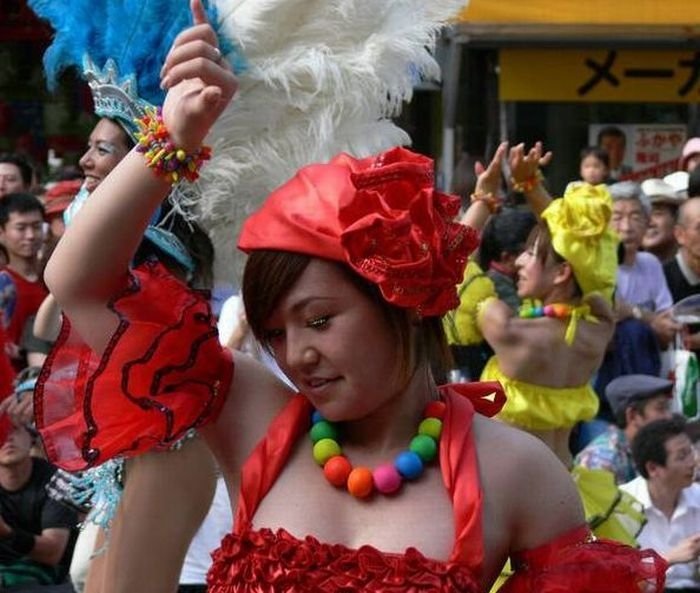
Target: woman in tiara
(350,266)
(112,552)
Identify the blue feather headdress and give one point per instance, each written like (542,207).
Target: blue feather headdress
(119,47)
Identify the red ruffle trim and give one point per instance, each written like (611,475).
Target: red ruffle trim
(578,563)
(162,373)
(267,561)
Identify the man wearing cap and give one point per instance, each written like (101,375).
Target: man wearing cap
(664,456)
(635,400)
(642,298)
(34,529)
(665,200)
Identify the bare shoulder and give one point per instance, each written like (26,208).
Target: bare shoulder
(256,396)
(528,489)
(601,308)
(494,321)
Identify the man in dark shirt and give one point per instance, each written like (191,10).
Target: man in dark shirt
(683,271)
(34,529)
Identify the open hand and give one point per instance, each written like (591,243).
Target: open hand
(488,180)
(200,83)
(524,165)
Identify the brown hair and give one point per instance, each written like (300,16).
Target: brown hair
(540,241)
(269,274)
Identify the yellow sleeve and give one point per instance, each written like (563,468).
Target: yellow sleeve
(461,324)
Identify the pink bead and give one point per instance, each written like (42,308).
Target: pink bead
(549,311)
(386,479)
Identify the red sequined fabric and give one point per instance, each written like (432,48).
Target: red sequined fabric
(162,373)
(575,562)
(276,561)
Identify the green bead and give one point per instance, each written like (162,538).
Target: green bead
(323,430)
(424,446)
(431,427)
(325,449)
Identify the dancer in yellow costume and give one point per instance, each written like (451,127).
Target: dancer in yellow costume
(545,357)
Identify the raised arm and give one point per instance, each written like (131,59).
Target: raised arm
(525,175)
(486,194)
(89,265)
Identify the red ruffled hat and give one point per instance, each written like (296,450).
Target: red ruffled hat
(382,217)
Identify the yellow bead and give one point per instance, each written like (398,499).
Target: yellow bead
(431,427)
(181,155)
(325,449)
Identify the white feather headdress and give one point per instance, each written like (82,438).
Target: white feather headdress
(322,77)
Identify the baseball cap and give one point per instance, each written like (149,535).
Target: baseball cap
(679,181)
(660,192)
(59,195)
(627,389)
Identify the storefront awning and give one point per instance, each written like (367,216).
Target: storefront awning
(575,12)
(567,21)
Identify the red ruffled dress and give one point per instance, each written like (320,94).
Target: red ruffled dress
(166,373)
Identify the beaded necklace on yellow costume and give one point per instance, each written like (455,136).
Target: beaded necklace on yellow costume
(531,309)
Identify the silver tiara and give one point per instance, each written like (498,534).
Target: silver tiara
(113,97)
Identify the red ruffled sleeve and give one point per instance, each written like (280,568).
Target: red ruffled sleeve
(162,373)
(578,563)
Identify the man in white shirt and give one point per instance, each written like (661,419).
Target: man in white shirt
(665,460)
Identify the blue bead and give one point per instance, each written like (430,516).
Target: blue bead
(409,465)
(539,311)
(316,417)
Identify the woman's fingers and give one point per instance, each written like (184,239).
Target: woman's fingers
(208,72)
(500,153)
(200,35)
(196,48)
(546,159)
(199,16)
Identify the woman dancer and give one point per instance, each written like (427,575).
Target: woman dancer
(546,356)
(345,259)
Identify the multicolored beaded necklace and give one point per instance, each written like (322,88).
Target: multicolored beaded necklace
(388,477)
(556,310)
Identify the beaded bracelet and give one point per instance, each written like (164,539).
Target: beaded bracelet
(166,160)
(527,185)
(492,202)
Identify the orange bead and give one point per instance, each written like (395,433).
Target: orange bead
(337,469)
(561,310)
(435,409)
(360,482)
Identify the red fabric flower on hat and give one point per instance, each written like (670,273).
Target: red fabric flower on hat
(382,217)
(398,232)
